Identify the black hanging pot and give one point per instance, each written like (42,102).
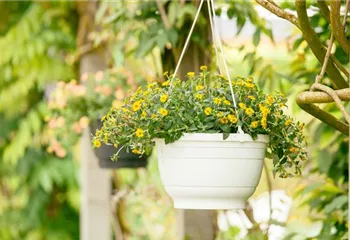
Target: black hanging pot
(125,159)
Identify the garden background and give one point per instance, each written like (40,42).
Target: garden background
(43,43)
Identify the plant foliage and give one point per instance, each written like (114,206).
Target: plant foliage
(202,105)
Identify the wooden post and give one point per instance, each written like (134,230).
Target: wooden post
(196,224)
(95,182)
(95,193)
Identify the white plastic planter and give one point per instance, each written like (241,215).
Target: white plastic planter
(203,171)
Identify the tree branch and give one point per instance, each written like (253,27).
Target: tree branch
(324,9)
(340,66)
(316,46)
(275,9)
(163,14)
(323,116)
(322,97)
(337,26)
(334,95)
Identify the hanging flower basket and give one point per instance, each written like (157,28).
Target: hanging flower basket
(125,159)
(203,171)
(211,134)
(210,151)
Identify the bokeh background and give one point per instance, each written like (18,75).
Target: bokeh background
(44,44)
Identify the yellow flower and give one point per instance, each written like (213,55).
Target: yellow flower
(281,105)
(254,124)
(97,143)
(203,68)
(219,114)
(151,85)
(249,111)
(288,122)
(249,85)
(139,133)
(199,96)
(199,87)
(190,74)
(163,111)
(270,99)
(251,97)
(166,83)
(232,118)
(242,105)
(264,123)
(153,116)
(136,106)
(240,83)
(163,98)
(292,149)
(136,151)
(227,102)
(222,76)
(144,114)
(165,73)
(115,145)
(207,111)
(264,110)
(217,101)
(223,120)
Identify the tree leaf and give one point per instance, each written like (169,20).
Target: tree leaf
(337,203)
(256,37)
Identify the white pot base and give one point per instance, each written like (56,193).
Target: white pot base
(203,171)
(208,203)
(209,197)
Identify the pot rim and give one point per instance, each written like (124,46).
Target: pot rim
(217,137)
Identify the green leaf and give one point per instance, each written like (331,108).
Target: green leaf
(225,135)
(230,13)
(225,128)
(308,189)
(337,203)
(324,161)
(256,37)
(172,36)
(161,40)
(145,47)
(45,181)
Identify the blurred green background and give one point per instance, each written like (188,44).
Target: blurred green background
(42,43)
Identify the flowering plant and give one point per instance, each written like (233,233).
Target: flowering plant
(74,105)
(203,104)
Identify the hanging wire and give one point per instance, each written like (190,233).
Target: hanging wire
(216,41)
(211,9)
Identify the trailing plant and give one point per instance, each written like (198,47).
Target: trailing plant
(202,105)
(73,105)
